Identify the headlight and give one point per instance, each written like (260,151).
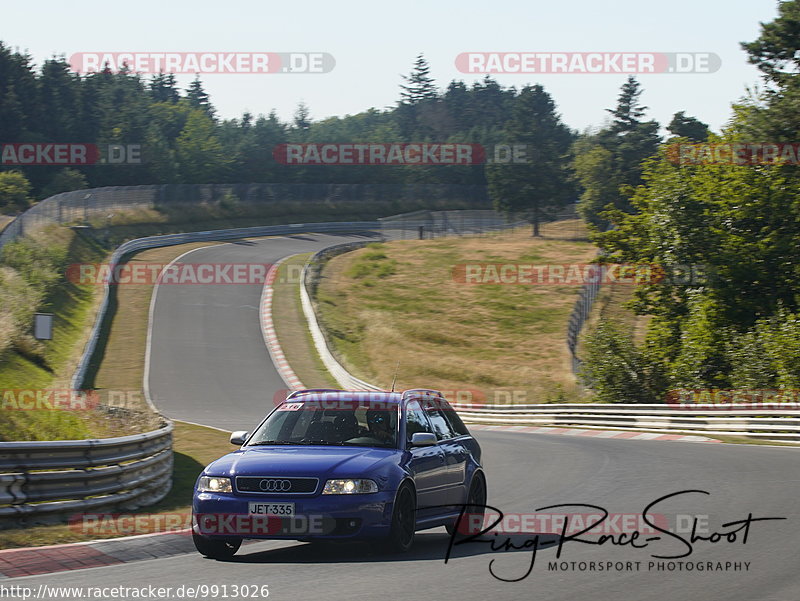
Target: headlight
(214,484)
(349,487)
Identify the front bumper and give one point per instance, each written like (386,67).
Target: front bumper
(316,516)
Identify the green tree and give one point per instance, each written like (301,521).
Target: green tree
(201,157)
(12,116)
(14,192)
(419,84)
(163,88)
(542,182)
(629,141)
(302,117)
(198,98)
(60,97)
(688,127)
(775,51)
(66,180)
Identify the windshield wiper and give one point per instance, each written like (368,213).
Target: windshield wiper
(270,442)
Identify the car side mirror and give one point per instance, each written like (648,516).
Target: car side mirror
(239,437)
(423,439)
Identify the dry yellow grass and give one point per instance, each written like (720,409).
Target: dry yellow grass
(490,339)
(4,221)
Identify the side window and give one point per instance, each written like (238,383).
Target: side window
(415,420)
(455,421)
(438,421)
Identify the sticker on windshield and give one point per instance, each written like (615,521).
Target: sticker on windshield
(290,407)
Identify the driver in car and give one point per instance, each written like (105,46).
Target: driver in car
(378,422)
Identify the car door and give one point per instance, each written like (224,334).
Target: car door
(455,453)
(427,464)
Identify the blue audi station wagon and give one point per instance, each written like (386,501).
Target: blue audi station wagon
(342,465)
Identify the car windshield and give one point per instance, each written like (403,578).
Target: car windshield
(339,423)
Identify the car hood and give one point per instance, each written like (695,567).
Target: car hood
(313,461)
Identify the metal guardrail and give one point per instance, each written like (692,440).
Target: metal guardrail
(765,421)
(310,273)
(45,478)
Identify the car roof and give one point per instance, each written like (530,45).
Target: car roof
(383,396)
(344,395)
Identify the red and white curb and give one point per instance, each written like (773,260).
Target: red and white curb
(594,433)
(33,561)
(270,337)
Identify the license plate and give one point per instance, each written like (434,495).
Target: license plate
(277,509)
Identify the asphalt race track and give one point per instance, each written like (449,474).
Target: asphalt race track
(209,365)
(208,361)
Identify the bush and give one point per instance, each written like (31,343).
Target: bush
(617,371)
(29,268)
(14,192)
(767,355)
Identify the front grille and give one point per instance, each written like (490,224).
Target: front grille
(276,485)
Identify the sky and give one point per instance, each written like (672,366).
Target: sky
(374,43)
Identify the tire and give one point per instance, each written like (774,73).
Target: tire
(401,534)
(216,549)
(476,496)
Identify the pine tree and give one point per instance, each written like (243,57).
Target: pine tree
(302,119)
(608,164)
(163,88)
(420,85)
(688,127)
(12,116)
(628,112)
(198,98)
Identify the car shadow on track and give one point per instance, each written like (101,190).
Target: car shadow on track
(427,547)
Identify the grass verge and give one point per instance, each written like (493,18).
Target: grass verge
(291,326)
(37,365)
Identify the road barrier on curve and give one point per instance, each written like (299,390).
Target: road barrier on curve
(309,279)
(42,479)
